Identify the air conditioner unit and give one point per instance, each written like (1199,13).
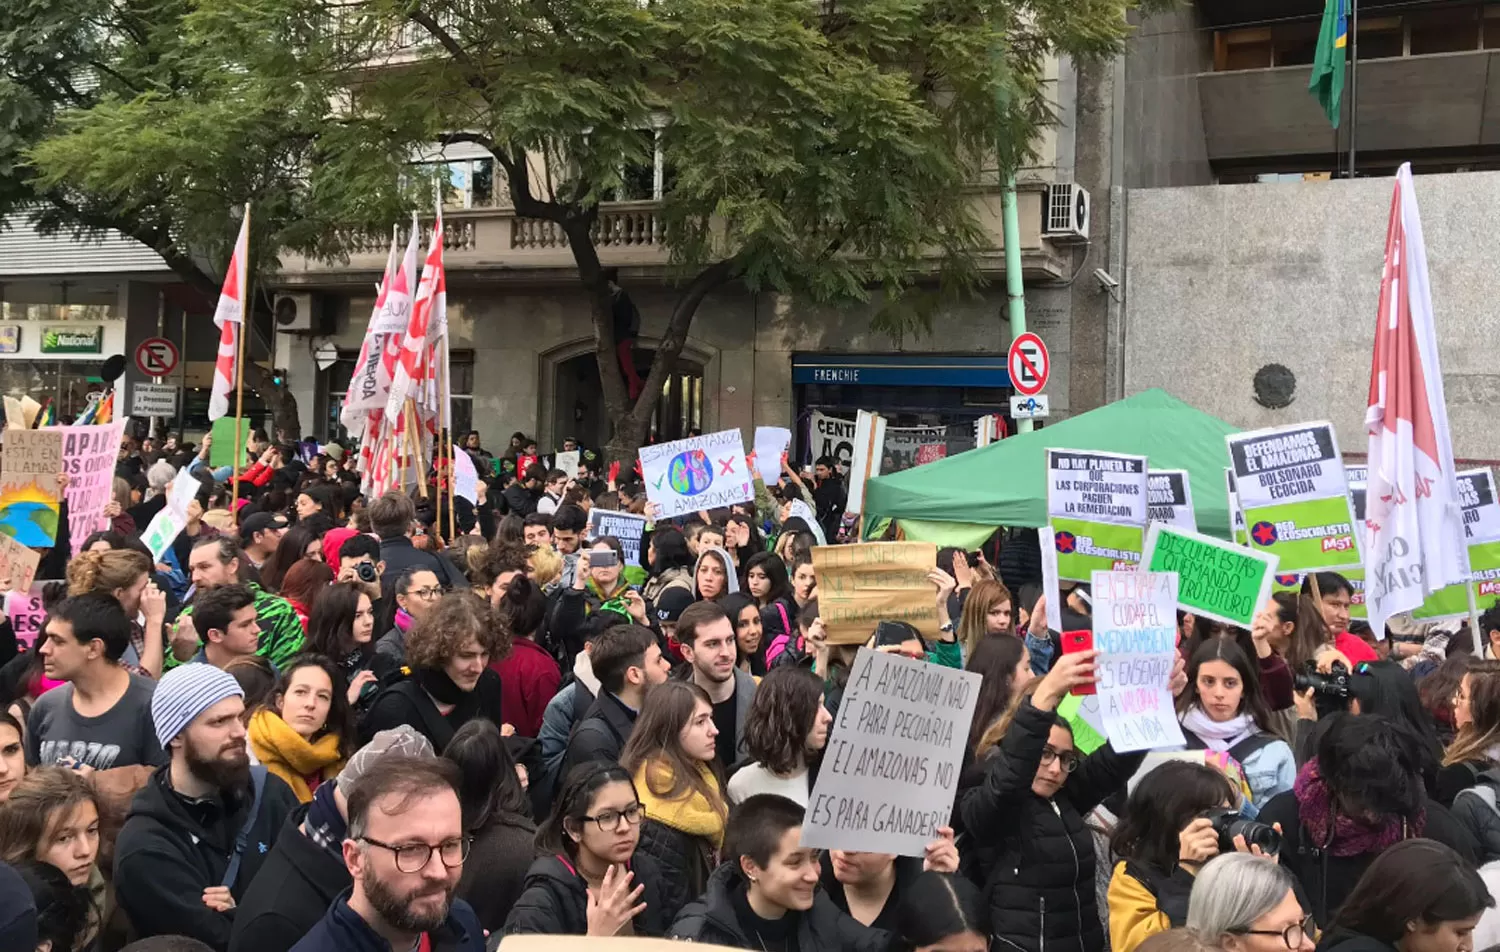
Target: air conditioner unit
(1066,217)
(299,311)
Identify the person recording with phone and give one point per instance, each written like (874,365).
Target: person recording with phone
(1022,806)
(598,585)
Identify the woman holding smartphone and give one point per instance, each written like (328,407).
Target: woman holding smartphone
(598,585)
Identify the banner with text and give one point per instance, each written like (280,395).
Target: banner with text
(1236,514)
(901,449)
(1294,496)
(700,472)
(1215,579)
(24,608)
(1135,635)
(1169,499)
(89,455)
(1098,505)
(628,528)
(890,770)
(859,586)
(1481,521)
(30,500)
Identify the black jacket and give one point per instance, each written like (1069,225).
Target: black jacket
(169,851)
(1034,856)
(296,885)
(519,499)
(601,735)
(495,872)
(342,930)
(399,554)
(556,901)
(685,860)
(405,702)
(1327,880)
(829,498)
(908,868)
(823,928)
(1475,809)
(1342,940)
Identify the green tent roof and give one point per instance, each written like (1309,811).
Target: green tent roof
(1005,483)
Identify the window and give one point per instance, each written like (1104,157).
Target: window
(467,183)
(1380,38)
(1443,31)
(643,181)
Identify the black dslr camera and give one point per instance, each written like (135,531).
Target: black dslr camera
(1331,691)
(1228,824)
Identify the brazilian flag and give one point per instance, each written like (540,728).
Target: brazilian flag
(1328,64)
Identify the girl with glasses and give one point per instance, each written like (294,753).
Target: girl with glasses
(589,880)
(1023,806)
(414,594)
(1470,777)
(1244,903)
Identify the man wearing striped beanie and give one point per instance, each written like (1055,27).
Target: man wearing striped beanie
(201,827)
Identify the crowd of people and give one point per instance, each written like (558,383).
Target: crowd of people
(320,721)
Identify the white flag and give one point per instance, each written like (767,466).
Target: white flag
(229,315)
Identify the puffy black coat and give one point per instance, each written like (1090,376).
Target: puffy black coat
(685,861)
(1475,810)
(1035,856)
(823,928)
(556,900)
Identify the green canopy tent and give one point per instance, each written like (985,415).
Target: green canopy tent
(959,500)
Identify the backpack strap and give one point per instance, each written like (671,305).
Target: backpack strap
(242,839)
(1251,746)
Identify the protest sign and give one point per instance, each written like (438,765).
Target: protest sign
(1081,711)
(162,530)
(1135,635)
(1097,503)
(567,462)
(931,453)
(770,445)
(221,452)
(18,564)
(24,609)
(861,585)
(89,455)
(890,770)
(1294,496)
(1215,579)
(909,446)
(869,437)
(1236,515)
(700,472)
(831,436)
(465,477)
(1481,522)
(1169,499)
(30,501)
(628,528)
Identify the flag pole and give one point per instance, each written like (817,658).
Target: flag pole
(414,440)
(446,396)
(1473,613)
(1353,84)
(247,305)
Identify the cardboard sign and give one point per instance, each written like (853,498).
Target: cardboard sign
(24,608)
(30,501)
(17,563)
(1135,635)
(626,527)
(1098,506)
(861,585)
(1294,496)
(89,455)
(890,771)
(701,472)
(1169,499)
(221,452)
(1216,579)
(770,445)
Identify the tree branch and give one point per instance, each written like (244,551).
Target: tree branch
(675,336)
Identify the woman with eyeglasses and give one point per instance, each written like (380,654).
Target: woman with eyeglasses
(589,880)
(414,593)
(1163,839)
(1245,903)
(1471,766)
(1023,806)
(1418,896)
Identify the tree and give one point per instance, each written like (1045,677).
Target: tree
(824,148)
(121,115)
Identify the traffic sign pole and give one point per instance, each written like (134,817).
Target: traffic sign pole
(1014,286)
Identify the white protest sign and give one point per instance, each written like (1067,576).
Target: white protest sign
(701,472)
(1481,511)
(162,531)
(89,455)
(1097,487)
(770,444)
(890,770)
(1135,635)
(1286,464)
(567,461)
(869,438)
(832,437)
(465,477)
(628,528)
(1169,499)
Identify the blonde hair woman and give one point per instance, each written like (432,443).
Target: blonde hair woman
(125,575)
(989,610)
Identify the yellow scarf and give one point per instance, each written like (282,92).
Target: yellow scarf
(691,813)
(289,756)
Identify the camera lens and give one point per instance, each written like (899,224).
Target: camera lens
(1255,834)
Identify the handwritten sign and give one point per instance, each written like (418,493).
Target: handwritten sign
(17,563)
(860,586)
(567,462)
(890,770)
(30,500)
(701,472)
(1135,633)
(628,528)
(1216,579)
(89,455)
(465,477)
(24,608)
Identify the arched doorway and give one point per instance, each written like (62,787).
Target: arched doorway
(578,398)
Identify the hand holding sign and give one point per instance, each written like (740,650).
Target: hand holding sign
(1135,633)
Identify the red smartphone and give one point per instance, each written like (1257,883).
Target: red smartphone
(1074,642)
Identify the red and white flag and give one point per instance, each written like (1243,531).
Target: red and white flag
(370,386)
(367,365)
(1414,539)
(228,317)
(414,369)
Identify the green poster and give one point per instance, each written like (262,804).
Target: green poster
(1216,579)
(1453,600)
(221,453)
(1085,737)
(1312,535)
(1084,547)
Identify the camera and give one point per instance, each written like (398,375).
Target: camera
(365,571)
(1333,685)
(1229,823)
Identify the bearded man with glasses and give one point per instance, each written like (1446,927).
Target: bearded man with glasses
(405,852)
